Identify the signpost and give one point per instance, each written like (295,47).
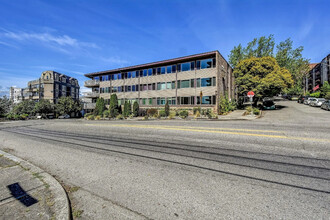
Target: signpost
(200,100)
(250,95)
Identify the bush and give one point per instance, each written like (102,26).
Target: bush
(197,114)
(256,111)
(142,112)
(106,114)
(183,114)
(87,114)
(152,112)
(327,96)
(316,94)
(211,114)
(145,117)
(98,117)
(162,113)
(196,109)
(24,116)
(225,105)
(90,117)
(249,109)
(120,117)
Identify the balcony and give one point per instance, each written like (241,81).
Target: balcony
(92,95)
(92,83)
(89,105)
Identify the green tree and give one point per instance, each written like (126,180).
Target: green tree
(263,76)
(24,107)
(43,107)
(258,47)
(66,105)
(127,109)
(114,108)
(292,60)
(136,109)
(99,106)
(167,109)
(5,105)
(325,89)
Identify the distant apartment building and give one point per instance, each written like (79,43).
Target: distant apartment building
(15,94)
(51,86)
(188,81)
(318,74)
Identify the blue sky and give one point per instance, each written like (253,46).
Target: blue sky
(77,37)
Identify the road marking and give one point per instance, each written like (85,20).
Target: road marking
(179,128)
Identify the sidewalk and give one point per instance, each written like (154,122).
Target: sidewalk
(27,192)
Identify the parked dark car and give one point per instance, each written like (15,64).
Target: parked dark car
(326,105)
(268,104)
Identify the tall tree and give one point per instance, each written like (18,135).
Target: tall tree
(43,107)
(66,105)
(114,107)
(136,109)
(24,107)
(258,47)
(5,105)
(292,60)
(167,109)
(99,106)
(261,75)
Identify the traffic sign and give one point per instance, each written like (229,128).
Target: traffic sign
(250,94)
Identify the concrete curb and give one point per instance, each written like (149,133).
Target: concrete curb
(61,206)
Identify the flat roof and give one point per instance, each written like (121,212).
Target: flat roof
(153,64)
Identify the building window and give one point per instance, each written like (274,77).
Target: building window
(192,65)
(162,70)
(207,100)
(206,82)
(173,68)
(133,88)
(144,101)
(145,87)
(185,67)
(192,83)
(169,69)
(150,101)
(141,73)
(207,63)
(184,84)
(154,86)
(145,72)
(149,86)
(173,85)
(158,71)
(150,72)
(168,85)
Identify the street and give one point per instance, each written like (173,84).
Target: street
(277,166)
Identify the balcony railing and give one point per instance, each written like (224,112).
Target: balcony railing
(92,83)
(89,105)
(92,95)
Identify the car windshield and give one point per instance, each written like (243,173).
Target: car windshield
(268,103)
(321,99)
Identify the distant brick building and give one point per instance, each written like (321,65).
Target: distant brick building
(51,86)
(318,74)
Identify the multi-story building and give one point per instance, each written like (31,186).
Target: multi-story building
(14,94)
(51,86)
(188,81)
(319,73)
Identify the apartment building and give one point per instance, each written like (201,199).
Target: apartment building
(15,94)
(51,86)
(188,81)
(318,74)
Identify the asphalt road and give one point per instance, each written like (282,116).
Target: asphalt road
(275,167)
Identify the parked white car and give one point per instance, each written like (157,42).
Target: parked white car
(317,102)
(64,117)
(308,100)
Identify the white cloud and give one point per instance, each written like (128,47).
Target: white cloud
(58,42)
(115,60)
